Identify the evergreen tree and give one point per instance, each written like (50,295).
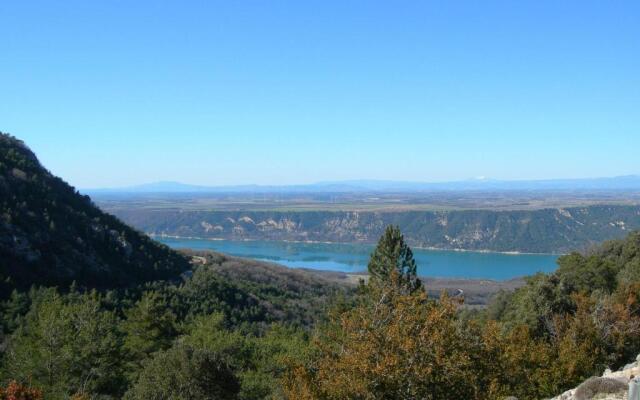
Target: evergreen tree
(185,373)
(392,256)
(11,310)
(149,326)
(65,346)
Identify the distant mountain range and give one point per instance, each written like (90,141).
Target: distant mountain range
(628,182)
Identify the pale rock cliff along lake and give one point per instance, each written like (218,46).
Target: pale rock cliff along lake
(354,258)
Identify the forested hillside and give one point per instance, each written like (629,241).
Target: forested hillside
(51,235)
(538,231)
(226,329)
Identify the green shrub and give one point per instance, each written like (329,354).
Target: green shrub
(185,373)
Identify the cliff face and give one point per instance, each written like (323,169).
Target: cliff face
(51,235)
(544,231)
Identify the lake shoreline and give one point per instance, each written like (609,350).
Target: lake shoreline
(353,258)
(484,251)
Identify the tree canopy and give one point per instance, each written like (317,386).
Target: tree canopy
(393,256)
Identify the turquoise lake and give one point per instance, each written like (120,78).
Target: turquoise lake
(354,257)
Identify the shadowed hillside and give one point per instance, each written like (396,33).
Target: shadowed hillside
(51,235)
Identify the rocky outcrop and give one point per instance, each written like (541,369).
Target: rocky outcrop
(612,385)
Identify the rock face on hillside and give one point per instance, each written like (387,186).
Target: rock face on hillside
(52,235)
(538,231)
(611,386)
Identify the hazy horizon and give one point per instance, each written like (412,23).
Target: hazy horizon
(355,182)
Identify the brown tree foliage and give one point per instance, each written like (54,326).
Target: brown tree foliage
(392,346)
(16,391)
(399,345)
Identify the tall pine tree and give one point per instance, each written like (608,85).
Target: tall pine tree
(392,256)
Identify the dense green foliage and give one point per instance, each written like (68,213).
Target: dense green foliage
(66,343)
(297,296)
(589,308)
(183,372)
(600,273)
(155,341)
(549,230)
(52,235)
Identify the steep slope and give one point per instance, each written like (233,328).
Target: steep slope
(52,235)
(263,291)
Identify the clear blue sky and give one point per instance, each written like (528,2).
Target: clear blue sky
(112,93)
